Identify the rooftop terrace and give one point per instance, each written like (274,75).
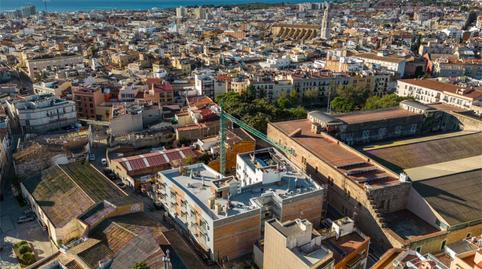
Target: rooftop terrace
(199,178)
(406,224)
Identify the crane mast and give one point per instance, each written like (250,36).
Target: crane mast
(222,133)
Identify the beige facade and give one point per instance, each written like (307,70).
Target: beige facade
(34,66)
(294,244)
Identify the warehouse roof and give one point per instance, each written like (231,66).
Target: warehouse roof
(455,197)
(429,152)
(67,191)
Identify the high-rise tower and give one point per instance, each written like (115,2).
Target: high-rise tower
(325,21)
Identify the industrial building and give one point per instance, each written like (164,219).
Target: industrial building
(396,191)
(71,199)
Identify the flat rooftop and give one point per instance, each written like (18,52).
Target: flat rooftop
(406,224)
(380,115)
(345,245)
(455,197)
(199,178)
(346,162)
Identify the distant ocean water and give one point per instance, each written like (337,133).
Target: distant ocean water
(87,5)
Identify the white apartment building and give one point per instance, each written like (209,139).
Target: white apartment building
(432,91)
(45,112)
(225,216)
(204,83)
(389,62)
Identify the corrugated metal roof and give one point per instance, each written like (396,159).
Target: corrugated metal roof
(155,159)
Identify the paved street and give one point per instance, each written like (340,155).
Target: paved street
(11,233)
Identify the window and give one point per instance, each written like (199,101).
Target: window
(468,235)
(443,245)
(365,134)
(418,249)
(413,128)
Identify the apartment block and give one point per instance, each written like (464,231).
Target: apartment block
(45,112)
(296,244)
(225,215)
(429,91)
(86,101)
(395,64)
(36,65)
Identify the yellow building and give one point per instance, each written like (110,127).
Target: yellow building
(237,141)
(181,64)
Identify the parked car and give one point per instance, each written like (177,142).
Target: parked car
(91,157)
(23,219)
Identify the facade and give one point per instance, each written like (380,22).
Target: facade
(410,119)
(43,113)
(36,65)
(295,31)
(86,102)
(204,85)
(432,91)
(181,12)
(295,244)
(225,215)
(391,63)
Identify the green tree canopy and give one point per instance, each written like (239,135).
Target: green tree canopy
(342,104)
(377,102)
(258,112)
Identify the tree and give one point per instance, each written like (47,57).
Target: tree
(204,158)
(310,96)
(250,93)
(354,95)
(297,112)
(293,98)
(377,102)
(282,102)
(140,265)
(342,104)
(27,258)
(24,249)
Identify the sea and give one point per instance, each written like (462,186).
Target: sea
(89,5)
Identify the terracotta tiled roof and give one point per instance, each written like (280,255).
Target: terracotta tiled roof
(444,87)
